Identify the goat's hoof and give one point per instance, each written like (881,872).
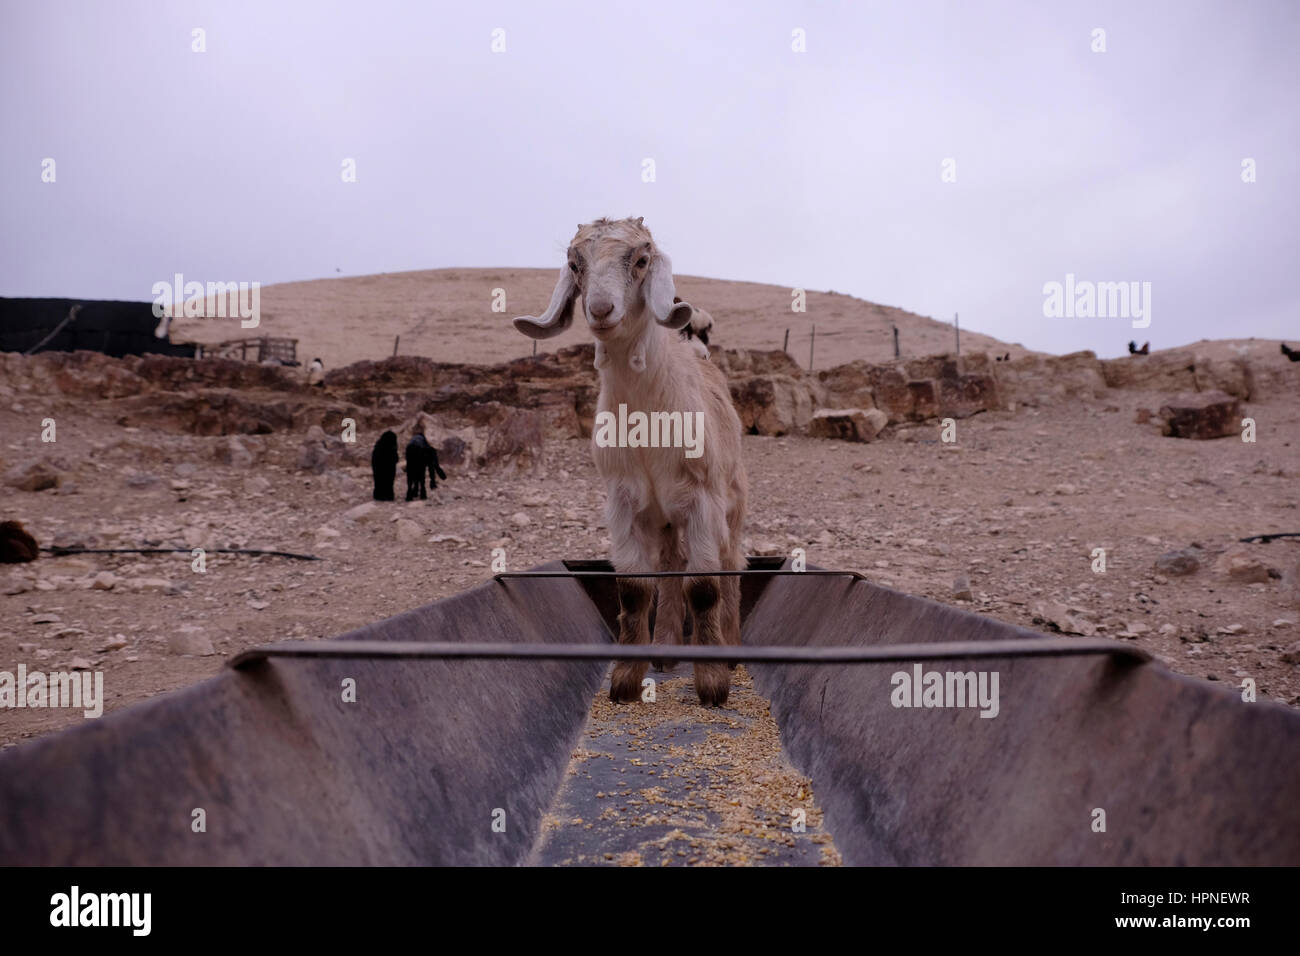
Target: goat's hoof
(712,684)
(624,686)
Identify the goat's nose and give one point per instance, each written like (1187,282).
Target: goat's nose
(600,310)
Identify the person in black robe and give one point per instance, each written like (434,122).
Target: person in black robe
(383,464)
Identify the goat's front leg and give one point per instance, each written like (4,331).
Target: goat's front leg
(670,613)
(702,534)
(634,596)
(635,548)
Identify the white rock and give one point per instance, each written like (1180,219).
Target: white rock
(190,644)
(408,532)
(361,512)
(105,581)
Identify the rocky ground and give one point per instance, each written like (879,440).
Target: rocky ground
(1004,521)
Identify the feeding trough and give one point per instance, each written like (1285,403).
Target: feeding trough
(465,712)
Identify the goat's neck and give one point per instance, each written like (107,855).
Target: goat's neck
(639,367)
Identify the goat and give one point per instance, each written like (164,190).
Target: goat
(421,456)
(665,509)
(383,465)
(698,330)
(1292,354)
(1144,350)
(316,372)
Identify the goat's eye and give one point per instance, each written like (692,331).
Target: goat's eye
(642,262)
(573,267)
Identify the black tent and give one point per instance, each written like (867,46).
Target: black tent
(114,328)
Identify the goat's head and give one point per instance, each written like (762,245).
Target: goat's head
(625,282)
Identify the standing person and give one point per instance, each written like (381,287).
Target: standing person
(383,464)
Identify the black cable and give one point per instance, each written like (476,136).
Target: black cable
(281,554)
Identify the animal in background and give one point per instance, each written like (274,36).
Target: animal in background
(697,330)
(16,545)
(1144,350)
(1292,354)
(421,457)
(383,465)
(316,372)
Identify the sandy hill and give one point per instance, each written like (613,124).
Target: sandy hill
(446,314)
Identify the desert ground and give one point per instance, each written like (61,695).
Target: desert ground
(1005,521)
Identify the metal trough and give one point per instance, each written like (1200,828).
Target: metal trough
(454,761)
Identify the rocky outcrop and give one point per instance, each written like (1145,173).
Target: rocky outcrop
(938,386)
(1201,415)
(1050,379)
(1162,372)
(559,390)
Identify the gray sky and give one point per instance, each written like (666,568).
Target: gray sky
(818,169)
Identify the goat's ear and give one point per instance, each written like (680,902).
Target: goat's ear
(558,315)
(668,311)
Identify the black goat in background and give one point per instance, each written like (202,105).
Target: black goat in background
(420,455)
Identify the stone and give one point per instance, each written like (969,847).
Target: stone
(520,520)
(961,589)
(46,619)
(143,480)
(313,458)
(1292,654)
(1238,565)
(256,485)
(408,532)
(79,664)
(847,424)
(234,452)
(116,644)
(105,581)
(37,475)
(1066,620)
(1201,415)
(149,584)
(190,643)
(1179,563)
(361,512)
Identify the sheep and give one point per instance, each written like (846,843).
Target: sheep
(666,510)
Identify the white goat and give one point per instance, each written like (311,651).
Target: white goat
(666,511)
(698,330)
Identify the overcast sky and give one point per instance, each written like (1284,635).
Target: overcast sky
(817,169)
